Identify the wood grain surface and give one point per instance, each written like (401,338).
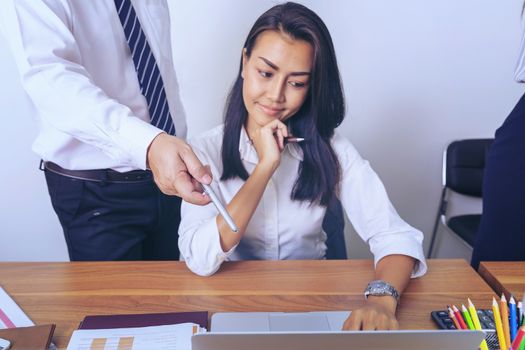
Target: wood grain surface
(505,277)
(63,293)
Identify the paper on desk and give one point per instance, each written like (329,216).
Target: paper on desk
(11,315)
(169,337)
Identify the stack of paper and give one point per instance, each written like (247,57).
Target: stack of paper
(168,337)
(11,315)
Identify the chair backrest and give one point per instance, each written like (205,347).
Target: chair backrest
(334,227)
(465,164)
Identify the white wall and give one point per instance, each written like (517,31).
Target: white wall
(417,75)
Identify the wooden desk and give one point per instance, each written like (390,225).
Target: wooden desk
(63,293)
(504,277)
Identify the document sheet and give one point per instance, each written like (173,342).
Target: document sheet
(169,337)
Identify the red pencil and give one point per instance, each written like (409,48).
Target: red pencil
(459,317)
(519,338)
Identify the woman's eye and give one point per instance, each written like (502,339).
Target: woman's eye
(265,74)
(297,84)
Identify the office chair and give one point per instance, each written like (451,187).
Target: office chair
(463,166)
(334,227)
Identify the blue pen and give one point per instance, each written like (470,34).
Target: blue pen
(513,321)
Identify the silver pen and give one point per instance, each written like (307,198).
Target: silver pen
(222,210)
(292,139)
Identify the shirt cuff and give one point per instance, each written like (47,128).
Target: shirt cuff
(406,247)
(136,139)
(207,255)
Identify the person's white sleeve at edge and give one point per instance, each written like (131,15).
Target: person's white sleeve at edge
(199,239)
(51,69)
(371,213)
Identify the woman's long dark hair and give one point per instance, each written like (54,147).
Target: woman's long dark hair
(322,111)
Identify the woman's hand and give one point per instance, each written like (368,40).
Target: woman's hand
(269,143)
(378,313)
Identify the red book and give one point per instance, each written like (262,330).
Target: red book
(144,320)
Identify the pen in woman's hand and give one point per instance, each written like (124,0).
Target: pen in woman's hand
(292,139)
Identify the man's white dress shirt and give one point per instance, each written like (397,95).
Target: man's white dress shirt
(76,66)
(519,71)
(284,229)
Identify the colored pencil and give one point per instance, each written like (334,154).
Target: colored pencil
(520,312)
(474,314)
(523,310)
(520,339)
(459,317)
(499,327)
(504,310)
(477,324)
(466,317)
(513,321)
(453,317)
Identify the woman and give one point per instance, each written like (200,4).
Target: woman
(288,84)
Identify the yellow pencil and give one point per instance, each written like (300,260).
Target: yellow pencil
(477,324)
(499,328)
(504,310)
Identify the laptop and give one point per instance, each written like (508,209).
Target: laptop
(319,330)
(278,321)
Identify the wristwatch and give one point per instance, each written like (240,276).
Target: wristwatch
(380,288)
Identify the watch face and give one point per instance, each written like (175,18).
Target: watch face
(380,288)
(377,285)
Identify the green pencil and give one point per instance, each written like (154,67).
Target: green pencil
(467,318)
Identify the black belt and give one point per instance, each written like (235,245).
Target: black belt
(100,175)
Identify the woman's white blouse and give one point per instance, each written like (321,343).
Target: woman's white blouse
(284,229)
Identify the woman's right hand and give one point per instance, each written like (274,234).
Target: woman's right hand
(269,143)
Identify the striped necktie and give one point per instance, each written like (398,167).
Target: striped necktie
(151,84)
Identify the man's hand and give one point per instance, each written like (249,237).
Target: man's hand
(378,313)
(177,170)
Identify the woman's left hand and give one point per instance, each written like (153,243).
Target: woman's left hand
(268,141)
(378,313)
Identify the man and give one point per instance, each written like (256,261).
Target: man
(101,76)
